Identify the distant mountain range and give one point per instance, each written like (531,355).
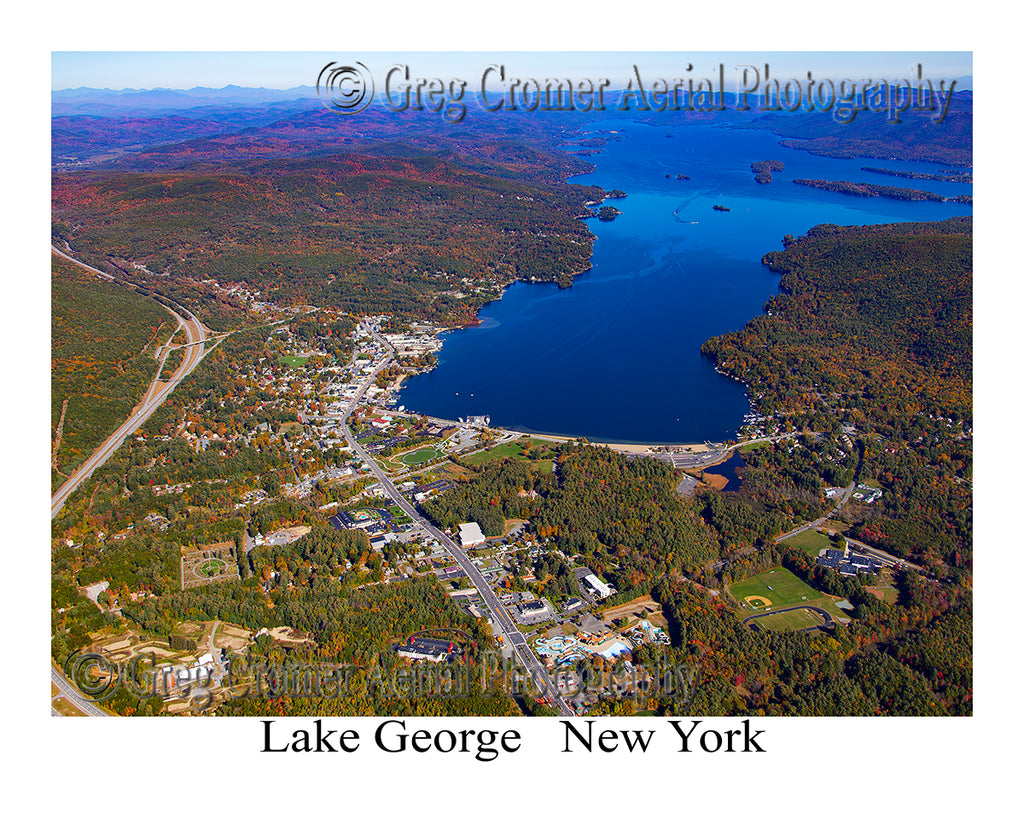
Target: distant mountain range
(137,101)
(140,126)
(133,102)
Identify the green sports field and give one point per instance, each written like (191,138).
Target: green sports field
(810,542)
(790,620)
(419,456)
(779,586)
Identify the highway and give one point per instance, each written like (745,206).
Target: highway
(72,695)
(194,350)
(516,639)
(158,392)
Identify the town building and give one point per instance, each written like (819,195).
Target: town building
(424,648)
(470,534)
(601,589)
(533,611)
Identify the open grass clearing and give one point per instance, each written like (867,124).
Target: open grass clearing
(779,586)
(883,588)
(510,450)
(790,620)
(641,608)
(212,568)
(810,542)
(450,471)
(419,456)
(512,523)
(65,708)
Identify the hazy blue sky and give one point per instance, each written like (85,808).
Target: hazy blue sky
(170,69)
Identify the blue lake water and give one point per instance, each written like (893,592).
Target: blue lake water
(728,470)
(616,357)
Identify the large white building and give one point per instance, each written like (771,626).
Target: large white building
(603,589)
(470,534)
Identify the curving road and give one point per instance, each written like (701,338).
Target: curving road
(73,695)
(155,396)
(529,660)
(195,349)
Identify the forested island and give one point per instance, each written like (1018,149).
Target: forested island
(763,170)
(951,176)
(868,189)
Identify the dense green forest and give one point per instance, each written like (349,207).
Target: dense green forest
(622,517)
(102,340)
(417,235)
(910,659)
(873,329)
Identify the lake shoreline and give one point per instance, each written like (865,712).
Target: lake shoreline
(625,447)
(529,375)
(632,448)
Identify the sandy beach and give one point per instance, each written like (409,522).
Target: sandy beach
(658,447)
(632,448)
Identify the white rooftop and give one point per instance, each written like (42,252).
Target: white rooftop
(470,534)
(602,588)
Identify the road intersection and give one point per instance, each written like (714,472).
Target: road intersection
(194,349)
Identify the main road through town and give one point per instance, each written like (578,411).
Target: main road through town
(529,660)
(194,350)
